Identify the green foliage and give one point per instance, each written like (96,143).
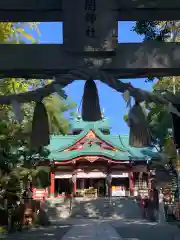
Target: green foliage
(56,107)
(41,177)
(158,117)
(16,33)
(126,118)
(153,30)
(18,164)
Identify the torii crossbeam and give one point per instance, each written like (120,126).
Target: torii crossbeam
(53,10)
(129,60)
(90,41)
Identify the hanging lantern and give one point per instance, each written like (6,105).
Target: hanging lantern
(139,132)
(40,127)
(90,106)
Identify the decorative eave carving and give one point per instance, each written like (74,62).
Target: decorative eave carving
(91,158)
(89,139)
(81,158)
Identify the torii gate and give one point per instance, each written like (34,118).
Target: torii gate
(90,43)
(90,48)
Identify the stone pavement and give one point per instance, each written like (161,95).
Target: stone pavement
(97,219)
(143,230)
(81,229)
(54,232)
(92,231)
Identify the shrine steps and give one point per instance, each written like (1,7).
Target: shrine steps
(85,208)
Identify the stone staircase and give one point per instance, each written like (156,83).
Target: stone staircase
(85,208)
(92,208)
(58,208)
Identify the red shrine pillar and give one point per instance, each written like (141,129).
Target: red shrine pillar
(131,183)
(52,184)
(74,188)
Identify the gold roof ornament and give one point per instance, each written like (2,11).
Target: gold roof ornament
(102,113)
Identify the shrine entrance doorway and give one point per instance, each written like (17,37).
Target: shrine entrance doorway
(120,187)
(63,187)
(96,185)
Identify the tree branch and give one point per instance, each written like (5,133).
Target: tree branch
(35,95)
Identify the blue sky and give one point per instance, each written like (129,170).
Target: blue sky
(110,100)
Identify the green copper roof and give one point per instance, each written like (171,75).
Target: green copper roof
(120,142)
(80,124)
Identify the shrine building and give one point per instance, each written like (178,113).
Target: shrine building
(92,160)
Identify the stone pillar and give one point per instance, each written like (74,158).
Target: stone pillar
(52,184)
(107,189)
(74,187)
(82,184)
(109,184)
(131,183)
(110,190)
(91,182)
(149,182)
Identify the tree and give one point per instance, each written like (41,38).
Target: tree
(153,30)
(15,165)
(16,33)
(19,165)
(10,129)
(56,107)
(158,117)
(158,31)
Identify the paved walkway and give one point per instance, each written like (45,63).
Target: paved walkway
(143,230)
(92,231)
(54,232)
(124,223)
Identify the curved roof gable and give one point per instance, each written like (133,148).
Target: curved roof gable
(60,143)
